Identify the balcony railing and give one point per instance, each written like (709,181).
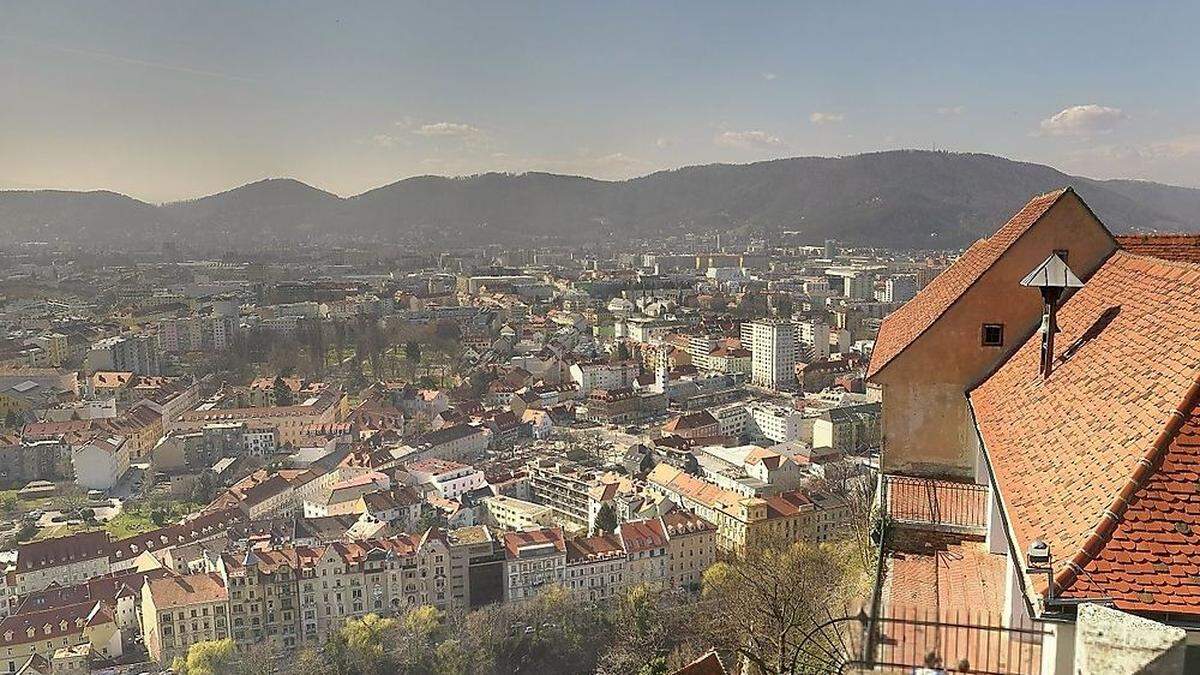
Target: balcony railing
(936,504)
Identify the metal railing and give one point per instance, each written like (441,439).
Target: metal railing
(936,503)
(955,642)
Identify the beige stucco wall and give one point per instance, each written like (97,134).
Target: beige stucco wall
(927,425)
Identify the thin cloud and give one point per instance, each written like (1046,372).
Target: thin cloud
(769,76)
(663,143)
(117,58)
(1083,120)
(448,130)
(387,140)
(747,140)
(952,110)
(826,118)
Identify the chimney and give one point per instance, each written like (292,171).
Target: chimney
(1052,278)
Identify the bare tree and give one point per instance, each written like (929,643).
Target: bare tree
(763,603)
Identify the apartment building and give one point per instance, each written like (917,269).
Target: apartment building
(534,561)
(772,345)
(646,555)
(42,633)
(179,611)
(61,560)
(691,548)
(595,567)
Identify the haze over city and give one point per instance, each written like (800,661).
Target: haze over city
(167,103)
(599,338)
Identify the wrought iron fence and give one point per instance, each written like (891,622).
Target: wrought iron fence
(936,503)
(904,640)
(955,642)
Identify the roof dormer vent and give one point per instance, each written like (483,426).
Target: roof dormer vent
(1051,277)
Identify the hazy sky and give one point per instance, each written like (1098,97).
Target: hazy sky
(166,100)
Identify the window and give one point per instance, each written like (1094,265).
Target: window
(993,335)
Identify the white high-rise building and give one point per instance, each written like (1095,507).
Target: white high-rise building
(772,346)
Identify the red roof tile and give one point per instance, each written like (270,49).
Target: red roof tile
(1064,449)
(1152,560)
(906,324)
(1178,247)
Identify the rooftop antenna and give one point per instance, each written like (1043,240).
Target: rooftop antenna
(1051,277)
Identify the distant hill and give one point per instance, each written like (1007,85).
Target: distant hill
(903,198)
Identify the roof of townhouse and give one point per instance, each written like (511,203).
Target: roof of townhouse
(75,548)
(1100,459)
(54,623)
(518,543)
(905,325)
(769,458)
(682,523)
(695,420)
(1177,247)
(204,526)
(694,488)
(786,504)
(106,588)
(191,589)
(449,434)
(39,430)
(111,379)
(591,549)
(436,466)
(709,664)
(642,535)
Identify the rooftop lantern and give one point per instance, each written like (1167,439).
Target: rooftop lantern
(1052,277)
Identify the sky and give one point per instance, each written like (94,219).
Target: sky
(165,101)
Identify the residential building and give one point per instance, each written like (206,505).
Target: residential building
(100,461)
(691,548)
(180,611)
(534,561)
(772,345)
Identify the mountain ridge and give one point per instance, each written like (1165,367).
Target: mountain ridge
(902,199)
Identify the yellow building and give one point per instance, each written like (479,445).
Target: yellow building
(179,611)
(45,632)
(969,319)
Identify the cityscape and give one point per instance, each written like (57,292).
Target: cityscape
(899,410)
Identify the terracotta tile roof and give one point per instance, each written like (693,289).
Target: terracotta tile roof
(906,324)
(52,624)
(695,420)
(1152,561)
(1068,452)
(682,523)
(515,543)
(709,664)
(592,549)
(1178,247)
(192,589)
(72,549)
(642,535)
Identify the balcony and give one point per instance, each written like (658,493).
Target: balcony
(939,505)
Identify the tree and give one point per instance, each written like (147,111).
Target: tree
(771,596)
(208,658)
(412,354)
(13,420)
(360,647)
(283,393)
(606,519)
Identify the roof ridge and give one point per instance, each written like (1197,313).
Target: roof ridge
(983,253)
(1146,467)
(1169,262)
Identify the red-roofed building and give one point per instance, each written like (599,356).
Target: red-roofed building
(645,543)
(966,322)
(534,560)
(1073,461)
